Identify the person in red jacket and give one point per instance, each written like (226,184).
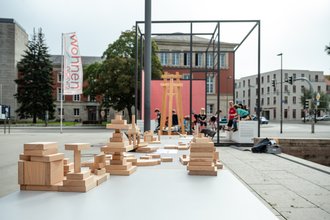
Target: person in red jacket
(232,114)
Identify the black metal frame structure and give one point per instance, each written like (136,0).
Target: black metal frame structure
(215,50)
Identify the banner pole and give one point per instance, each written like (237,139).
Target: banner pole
(62,78)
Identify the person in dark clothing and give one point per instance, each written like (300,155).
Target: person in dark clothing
(175,120)
(202,119)
(158,116)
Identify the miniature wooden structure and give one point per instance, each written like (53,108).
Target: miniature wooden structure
(202,157)
(117,147)
(148,137)
(134,134)
(171,88)
(40,167)
(78,181)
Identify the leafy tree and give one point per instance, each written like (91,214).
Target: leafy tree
(114,79)
(324,99)
(327,49)
(35,80)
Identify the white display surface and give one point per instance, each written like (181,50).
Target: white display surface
(157,194)
(247,130)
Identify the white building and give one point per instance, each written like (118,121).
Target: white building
(246,92)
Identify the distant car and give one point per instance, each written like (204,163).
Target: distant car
(323,118)
(263,120)
(308,118)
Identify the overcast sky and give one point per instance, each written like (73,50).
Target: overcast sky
(299,29)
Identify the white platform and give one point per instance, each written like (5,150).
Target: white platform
(157,193)
(247,130)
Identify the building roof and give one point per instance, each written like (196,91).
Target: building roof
(180,38)
(86,60)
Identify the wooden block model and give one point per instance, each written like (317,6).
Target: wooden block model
(118,123)
(202,157)
(118,164)
(133,134)
(78,181)
(184,159)
(148,137)
(171,147)
(167,159)
(148,162)
(146,149)
(40,167)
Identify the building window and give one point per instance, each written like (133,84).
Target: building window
(76,98)
(243,83)
(294,88)
(285,76)
(262,91)
(249,103)
(286,89)
(274,113)
(274,100)
(268,90)
(316,78)
(186,76)
(210,84)
(198,59)
(302,89)
(268,101)
(163,58)
(76,111)
(274,76)
(294,113)
(91,98)
(249,93)
(222,60)
(59,78)
(262,101)
(262,79)
(294,76)
(209,109)
(302,75)
(285,100)
(186,59)
(209,60)
(268,78)
(294,100)
(243,93)
(319,88)
(236,94)
(175,59)
(285,113)
(59,94)
(59,111)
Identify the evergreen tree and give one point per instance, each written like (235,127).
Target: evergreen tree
(34,81)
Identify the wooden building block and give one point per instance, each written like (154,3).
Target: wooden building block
(39,173)
(146,149)
(201,159)
(117,126)
(117,135)
(184,147)
(203,173)
(77,188)
(20,172)
(219,165)
(119,162)
(118,117)
(77,161)
(216,155)
(156,142)
(143,144)
(184,160)
(167,159)
(118,157)
(171,147)
(116,139)
(99,171)
(154,156)
(118,121)
(79,176)
(202,149)
(83,182)
(66,161)
(132,160)
(40,152)
(119,167)
(43,188)
(99,165)
(40,145)
(48,158)
(201,163)
(100,158)
(77,146)
(150,162)
(107,149)
(202,140)
(203,144)
(24,157)
(117,144)
(204,168)
(102,178)
(68,167)
(145,157)
(201,155)
(123,172)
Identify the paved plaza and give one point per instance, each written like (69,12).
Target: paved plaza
(290,187)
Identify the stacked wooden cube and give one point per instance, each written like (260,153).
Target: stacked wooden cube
(78,181)
(40,167)
(202,157)
(118,163)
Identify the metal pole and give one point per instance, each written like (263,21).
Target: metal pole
(234,98)
(136,71)
(147,65)
(190,88)
(142,67)
(258,104)
(62,87)
(218,92)
(281,94)
(1,93)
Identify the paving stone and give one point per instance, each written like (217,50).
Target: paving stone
(304,214)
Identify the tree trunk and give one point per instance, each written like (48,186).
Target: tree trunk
(129,109)
(34,118)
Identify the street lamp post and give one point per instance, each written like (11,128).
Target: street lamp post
(281,94)
(228,78)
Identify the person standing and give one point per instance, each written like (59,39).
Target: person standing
(231,115)
(202,119)
(158,116)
